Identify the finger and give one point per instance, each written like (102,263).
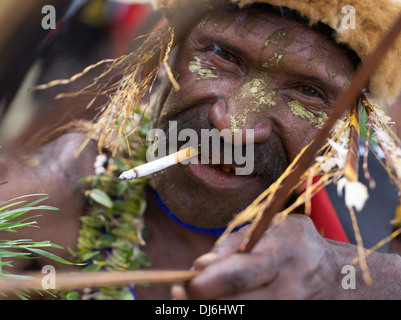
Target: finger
(235,274)
(205,260)
(227,247)
(178,292)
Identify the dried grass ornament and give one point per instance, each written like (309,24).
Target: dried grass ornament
(126,82)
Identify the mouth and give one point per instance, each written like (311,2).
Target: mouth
(221,166)
(218,177)
(224,168)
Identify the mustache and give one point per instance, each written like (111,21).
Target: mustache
(268,164)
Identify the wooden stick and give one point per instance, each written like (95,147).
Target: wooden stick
(84,279)
(345,100)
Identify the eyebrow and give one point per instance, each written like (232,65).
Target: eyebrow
(306,76)
(221,40)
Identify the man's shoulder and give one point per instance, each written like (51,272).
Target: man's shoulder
(70,157)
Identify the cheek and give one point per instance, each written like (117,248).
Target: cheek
(301,135)
(197,89)
(295,132)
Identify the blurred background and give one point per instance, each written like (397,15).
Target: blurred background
(86,32)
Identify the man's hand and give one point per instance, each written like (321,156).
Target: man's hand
(291,261)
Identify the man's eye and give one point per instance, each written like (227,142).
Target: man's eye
(309,91)
(222,53)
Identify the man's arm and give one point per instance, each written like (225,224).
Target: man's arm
(52,169)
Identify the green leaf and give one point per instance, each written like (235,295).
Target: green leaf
(142,206)
(119,164)
(144,129)
(125,294)
(31,204)
(53,245)
(133,265)
(121,188)
(5,263)
(18,224)
(15,225)
(9,254)
(106,240)
(49,255)
(12,214)
(142,258)
(89,255)
(21,295)
(44,197)
(73,295)
(92,267)
(101,197)
(82,181)
(11,205)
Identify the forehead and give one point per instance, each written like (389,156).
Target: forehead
(258,21)
(256,28)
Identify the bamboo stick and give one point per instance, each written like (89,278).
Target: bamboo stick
(98,279)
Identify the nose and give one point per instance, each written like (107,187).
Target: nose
(224,116)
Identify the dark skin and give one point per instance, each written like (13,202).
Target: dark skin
(292,260)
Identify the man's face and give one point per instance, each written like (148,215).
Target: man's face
(247,70)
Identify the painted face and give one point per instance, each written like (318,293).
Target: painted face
(247,70)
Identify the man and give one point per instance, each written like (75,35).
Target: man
(267,72)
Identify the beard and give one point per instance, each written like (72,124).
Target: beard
(268,164)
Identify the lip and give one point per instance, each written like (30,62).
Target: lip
(217,180)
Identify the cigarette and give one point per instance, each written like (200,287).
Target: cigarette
(159,164)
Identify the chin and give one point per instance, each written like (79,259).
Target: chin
(203,198)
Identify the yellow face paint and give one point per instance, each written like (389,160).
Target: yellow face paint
(257,97)
(273,61)
(278,41)
(332,71)
(275,38)
(203,73)
(300,111)
(204,21)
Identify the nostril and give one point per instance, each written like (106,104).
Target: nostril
(260,133)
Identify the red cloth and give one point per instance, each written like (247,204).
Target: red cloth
(325,217)
(127,20)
